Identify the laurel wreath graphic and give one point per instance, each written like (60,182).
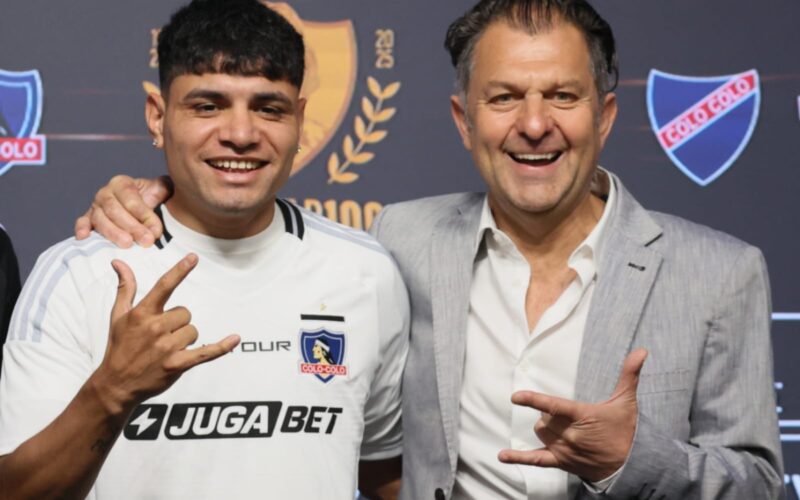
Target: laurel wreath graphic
(365,131)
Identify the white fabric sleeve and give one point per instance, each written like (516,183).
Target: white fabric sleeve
(382,426)
(602,485)
(46,356)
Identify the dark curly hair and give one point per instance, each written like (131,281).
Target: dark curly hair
(237,37)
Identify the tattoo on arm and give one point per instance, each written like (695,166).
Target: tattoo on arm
(104,443)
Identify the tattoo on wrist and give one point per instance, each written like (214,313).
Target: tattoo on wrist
(104,443)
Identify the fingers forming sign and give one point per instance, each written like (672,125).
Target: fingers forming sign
(147,346)
(586,439)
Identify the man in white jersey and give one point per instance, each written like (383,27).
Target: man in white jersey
(309,388)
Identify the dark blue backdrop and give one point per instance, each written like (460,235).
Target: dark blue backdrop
(93,57)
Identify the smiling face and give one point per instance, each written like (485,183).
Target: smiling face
(229,143)
(533,120)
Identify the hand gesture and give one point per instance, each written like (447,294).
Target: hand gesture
(123,212)
(147,346)
(589,440)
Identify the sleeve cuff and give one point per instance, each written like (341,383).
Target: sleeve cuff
(604,484)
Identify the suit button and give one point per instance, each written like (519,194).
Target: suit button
(438,494)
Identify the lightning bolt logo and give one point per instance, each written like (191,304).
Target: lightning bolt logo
(145,422)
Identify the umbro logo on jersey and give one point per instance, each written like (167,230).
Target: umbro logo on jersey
(265,346)
(228,420)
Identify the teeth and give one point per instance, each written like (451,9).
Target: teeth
(236,165)
(533,157)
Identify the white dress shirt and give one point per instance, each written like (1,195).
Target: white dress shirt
(504,356)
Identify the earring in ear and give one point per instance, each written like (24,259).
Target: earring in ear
(299,149)
(155,143)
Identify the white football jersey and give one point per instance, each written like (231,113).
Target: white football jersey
(313,386)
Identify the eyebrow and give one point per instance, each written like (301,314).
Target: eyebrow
(572,82)
(272,97)
(203,94)
(498,83)
(215,95)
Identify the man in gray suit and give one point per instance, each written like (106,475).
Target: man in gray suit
(535,305)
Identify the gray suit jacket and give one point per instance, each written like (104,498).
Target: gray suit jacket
(697,299)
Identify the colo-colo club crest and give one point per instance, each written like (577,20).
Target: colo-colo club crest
(323,354)
(20,112)
(703,123)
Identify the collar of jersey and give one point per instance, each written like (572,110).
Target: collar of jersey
(241,253)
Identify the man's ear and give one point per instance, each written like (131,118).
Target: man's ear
(154,110)
(459,112)
(608,114)
(301,114)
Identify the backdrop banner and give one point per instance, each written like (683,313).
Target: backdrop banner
(707,128)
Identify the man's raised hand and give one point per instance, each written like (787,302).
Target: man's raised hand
(147,346)
(589,440)
(123,212)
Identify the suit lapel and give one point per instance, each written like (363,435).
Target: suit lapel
(627,269)
(452,257)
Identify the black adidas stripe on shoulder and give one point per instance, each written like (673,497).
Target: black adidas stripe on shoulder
(166,237)
(292,218)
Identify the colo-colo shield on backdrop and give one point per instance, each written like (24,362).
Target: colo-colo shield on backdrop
(703,123)
(20,113)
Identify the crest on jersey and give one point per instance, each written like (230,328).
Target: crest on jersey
(323,354)
(703,123)
(20,113)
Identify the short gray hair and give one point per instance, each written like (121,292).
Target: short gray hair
(534,16)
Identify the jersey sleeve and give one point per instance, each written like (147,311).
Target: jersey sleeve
(47,356)
(382,426)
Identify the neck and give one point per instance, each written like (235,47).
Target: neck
(546,240)
(227,225)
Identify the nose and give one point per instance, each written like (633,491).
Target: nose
(239,131)
(534,119)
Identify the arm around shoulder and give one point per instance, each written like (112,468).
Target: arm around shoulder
(122,211)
